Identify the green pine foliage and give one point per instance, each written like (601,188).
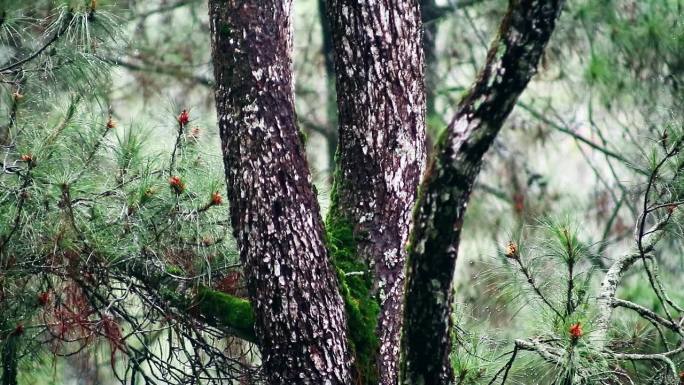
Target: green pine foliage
(96,218)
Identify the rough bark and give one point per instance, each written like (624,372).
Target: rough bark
(381,151)
(438,219)
(299,313)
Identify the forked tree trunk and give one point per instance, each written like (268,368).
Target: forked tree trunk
(381,151)
(300,322)
(300,318)
(511,62)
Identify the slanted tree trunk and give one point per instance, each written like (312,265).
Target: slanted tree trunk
(300,322)
(381,155)
(438,220)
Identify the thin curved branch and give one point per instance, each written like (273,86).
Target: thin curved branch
(647,313)
(63,25)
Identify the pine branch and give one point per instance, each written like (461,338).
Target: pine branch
(63,25)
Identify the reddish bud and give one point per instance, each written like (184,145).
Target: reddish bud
(184,117)
(26,157)
(511,250)
(111,123)
(518,203)
(576,331)
(177,184)
(216,198)
(43,298)
(19,330)
(671,209)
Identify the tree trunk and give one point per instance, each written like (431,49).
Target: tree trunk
(381,153)
(511,62)
(300,323)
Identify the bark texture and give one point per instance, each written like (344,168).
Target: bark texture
(299,313)
(381,151)
(511,62)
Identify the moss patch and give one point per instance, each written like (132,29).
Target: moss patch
(362,308)
(233,312)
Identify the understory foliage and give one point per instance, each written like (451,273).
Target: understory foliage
(550,284)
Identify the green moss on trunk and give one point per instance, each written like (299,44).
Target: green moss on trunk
(362,307)
(233,312)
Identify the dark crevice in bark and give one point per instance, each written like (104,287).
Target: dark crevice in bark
(381,151)
(300,324)
(438,219)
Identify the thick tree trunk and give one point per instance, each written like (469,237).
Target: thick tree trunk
(381,152)
(438,220)
(300,322)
